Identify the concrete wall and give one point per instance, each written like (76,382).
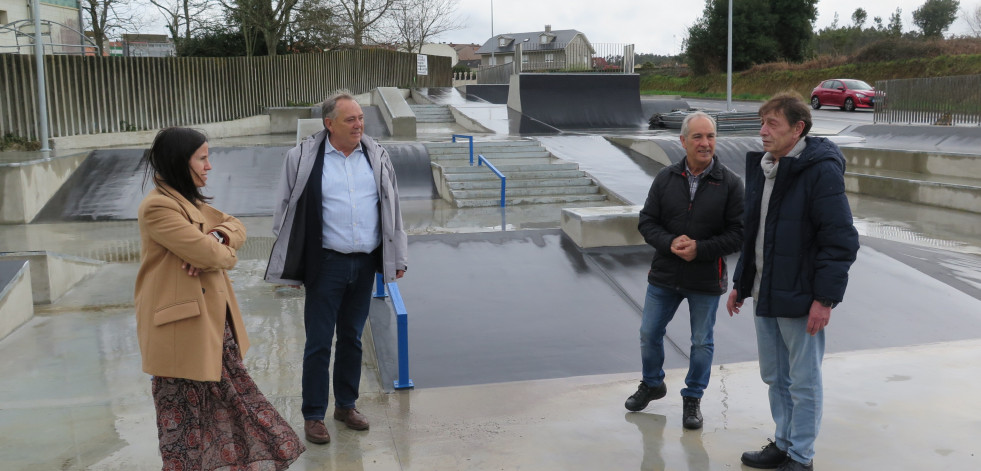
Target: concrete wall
(251,126)
(53,274)
(25,187)
(16,306)
(283,119)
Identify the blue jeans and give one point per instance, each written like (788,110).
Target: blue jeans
(339,298)
(790,364)
(659,308)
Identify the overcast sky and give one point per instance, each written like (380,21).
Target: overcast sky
(654,26)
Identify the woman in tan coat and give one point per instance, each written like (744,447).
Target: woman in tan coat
(210,414)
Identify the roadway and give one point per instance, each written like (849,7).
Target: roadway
(826,120)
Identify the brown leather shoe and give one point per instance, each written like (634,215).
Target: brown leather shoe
(316,431)
(352,418)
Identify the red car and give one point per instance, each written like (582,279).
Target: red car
(846,94)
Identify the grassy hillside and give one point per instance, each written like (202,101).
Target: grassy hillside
(763,81)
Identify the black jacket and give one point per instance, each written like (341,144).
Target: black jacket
(714,219)
(809,241)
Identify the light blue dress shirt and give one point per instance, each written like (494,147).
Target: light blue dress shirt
(350,202)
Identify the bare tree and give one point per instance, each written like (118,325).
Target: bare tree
(109,17)
(362,15)
(412,22)
(184,18)
(973,19)
(270,17)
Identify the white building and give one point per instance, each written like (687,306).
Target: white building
(17,26)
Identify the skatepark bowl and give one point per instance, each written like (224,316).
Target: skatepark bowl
(522,341)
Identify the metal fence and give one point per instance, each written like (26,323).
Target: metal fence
(495,74)
(577,57)
(91,94)
(940,101)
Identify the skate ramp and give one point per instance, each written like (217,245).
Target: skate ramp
(109,183)
(412,170)
(579,101)
(623,172)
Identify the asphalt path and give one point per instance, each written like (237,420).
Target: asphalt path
(826,119)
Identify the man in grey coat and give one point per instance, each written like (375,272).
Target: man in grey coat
(337,222)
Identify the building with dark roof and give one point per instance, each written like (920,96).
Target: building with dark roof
(566,49)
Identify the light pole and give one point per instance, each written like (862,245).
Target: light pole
(493,44)
(42,99)
(729,64)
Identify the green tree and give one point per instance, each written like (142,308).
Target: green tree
(895,26)
(762,31)
(935,16)
(794,28)
(859,17)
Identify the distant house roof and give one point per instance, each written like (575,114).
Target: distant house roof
(561,38)
(466,52)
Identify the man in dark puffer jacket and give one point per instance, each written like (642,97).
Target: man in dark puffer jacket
(800,243)
(693,219)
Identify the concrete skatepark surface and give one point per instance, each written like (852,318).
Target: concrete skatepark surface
(523,347)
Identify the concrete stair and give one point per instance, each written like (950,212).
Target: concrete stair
(533,175)
(931,178)
(432,114)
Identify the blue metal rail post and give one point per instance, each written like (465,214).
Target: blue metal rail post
(504,180)
(379,286)
(402,323)
(402,317)
(471,144)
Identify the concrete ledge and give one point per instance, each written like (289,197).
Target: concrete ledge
(607,226)
(930,163)
(251,126)
(646,147)
(53,274)
(934,193)
(283,120)
(25,187)
(399,118)
(16,306)
(468,123)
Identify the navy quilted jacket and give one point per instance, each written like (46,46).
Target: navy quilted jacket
(809,241)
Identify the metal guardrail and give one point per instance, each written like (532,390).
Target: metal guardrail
(504,180)
(402,321)
(471,144)
(724,121)
(941,101)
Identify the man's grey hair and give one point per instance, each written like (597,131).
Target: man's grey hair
(695,115)
(328,109)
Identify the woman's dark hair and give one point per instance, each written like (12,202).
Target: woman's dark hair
(168,161)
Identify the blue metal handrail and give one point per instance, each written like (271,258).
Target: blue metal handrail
(471,144)
(402,321)
(504,180)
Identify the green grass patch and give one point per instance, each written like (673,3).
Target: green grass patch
(12,142)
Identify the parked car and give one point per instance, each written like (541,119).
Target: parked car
(846,94)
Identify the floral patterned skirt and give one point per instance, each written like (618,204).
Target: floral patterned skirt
(227,425)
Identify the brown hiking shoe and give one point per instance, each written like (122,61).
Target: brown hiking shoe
(316,431)
(351,417)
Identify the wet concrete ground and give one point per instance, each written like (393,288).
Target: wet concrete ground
(523,349)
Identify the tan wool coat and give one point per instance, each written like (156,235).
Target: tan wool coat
(180,319)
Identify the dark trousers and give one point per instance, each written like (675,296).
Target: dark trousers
(339,298)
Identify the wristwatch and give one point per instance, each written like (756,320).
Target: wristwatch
(221,240)
(827,303)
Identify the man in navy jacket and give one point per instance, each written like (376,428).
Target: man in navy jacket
(693,219)
(798,247)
